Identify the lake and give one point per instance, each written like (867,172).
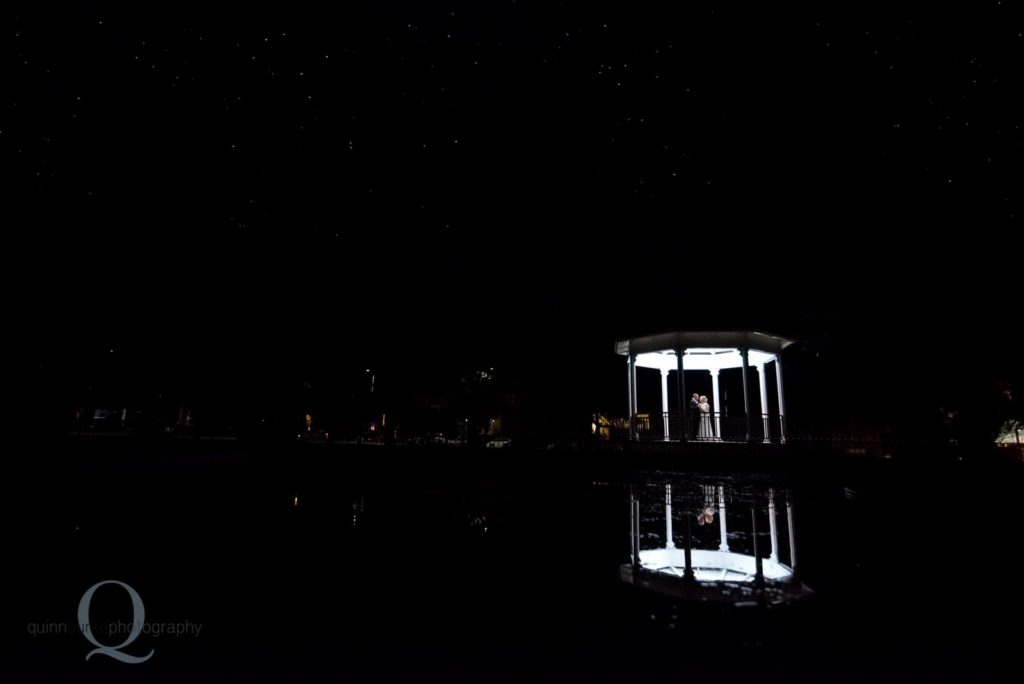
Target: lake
(370,564)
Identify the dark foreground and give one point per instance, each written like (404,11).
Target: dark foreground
(376,565)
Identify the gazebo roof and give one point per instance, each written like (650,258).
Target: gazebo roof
(772,344)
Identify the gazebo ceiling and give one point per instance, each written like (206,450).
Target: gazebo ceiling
(694,341)
(703,359)
(713,565)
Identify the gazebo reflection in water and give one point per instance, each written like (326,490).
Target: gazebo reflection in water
(705,541)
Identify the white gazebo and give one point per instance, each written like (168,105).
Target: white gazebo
(712,352)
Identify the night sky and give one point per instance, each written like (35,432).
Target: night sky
(203,197)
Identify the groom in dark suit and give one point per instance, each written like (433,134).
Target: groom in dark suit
(693,415)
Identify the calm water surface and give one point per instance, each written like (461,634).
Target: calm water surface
(375,566)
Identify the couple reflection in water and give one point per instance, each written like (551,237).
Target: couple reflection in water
(701,417)
(706,515)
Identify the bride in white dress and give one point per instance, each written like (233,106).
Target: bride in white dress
(704,432)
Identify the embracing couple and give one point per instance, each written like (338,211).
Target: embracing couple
(700,419)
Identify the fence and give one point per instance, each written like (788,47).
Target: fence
(712,426)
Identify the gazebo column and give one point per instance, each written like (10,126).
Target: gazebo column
(634,527)
(762,388)
(723,533)
(664,401)
(746,389)
(681,391)
(629,395)
(631,375)
(669,543)
(758,563)
(717,403)
(772,531)
(782,400)
(792,537)
(687,556)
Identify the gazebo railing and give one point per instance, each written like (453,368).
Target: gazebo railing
(709,427)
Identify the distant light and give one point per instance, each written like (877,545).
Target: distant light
(295,501)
